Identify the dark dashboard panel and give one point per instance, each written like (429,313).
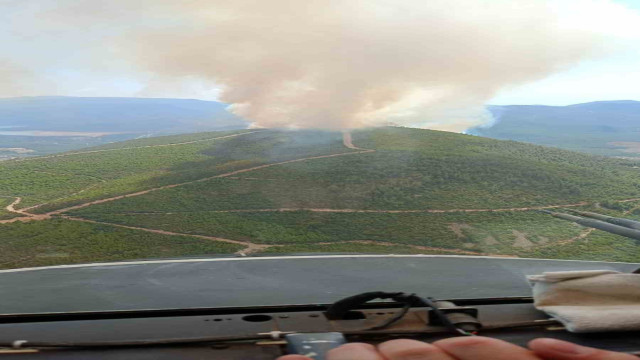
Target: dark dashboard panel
(188,286)
(197,327)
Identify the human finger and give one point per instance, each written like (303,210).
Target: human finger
(483,348)
(552,349)
(404,349)
(354,351)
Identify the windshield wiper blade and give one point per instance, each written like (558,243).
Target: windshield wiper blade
(591,222)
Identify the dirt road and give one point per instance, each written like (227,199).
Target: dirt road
(436,211)
(229,174)
(249,247)
(27,216)
(11,207)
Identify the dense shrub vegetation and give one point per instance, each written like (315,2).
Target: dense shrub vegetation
(63,242)
(479,232)
(411,169)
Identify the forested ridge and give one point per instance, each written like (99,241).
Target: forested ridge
(400,189)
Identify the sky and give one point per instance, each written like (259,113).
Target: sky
(613,76)
(35,60)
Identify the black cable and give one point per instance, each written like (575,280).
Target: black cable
(394,319)
(340,308)
(443,317)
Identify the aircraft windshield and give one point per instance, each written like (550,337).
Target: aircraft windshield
(158,129)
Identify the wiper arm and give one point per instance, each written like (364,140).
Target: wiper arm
(613,225)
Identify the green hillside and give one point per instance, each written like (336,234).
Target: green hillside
(60,241)
(398,190)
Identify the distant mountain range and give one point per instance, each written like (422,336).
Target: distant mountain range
(609,128)
(27,124)
(122,115)
(603,127)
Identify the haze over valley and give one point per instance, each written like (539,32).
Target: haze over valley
(35,126)
(31,126)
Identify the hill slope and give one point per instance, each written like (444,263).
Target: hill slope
(604,127)
(387,190)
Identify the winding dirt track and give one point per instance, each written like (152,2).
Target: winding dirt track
(249,247)
(236,172)
(583,235)
(435,211)
(12,207)
(25,210)
(26,216)
(252,247)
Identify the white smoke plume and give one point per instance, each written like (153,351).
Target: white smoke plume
(338,64)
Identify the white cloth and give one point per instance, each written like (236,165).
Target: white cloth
(589,301)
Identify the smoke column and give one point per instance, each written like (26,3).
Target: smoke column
(353,63)
(338,64)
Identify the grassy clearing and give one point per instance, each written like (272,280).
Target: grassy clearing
(66,242)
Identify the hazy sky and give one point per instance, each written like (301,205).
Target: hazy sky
(614,76)
(44,53)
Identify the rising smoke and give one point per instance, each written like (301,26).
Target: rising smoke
(354,63)
(337,64)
